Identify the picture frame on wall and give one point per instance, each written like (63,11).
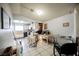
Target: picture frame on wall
(66,24)
(5,19)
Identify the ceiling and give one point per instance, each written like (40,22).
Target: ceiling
(50,10)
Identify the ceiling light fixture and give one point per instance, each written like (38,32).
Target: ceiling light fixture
(39,12)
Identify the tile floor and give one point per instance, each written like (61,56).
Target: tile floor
(42,49)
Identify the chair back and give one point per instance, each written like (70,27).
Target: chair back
(69,49)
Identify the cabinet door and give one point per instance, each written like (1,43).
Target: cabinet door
(45,26)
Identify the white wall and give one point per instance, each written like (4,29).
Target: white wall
(6,36)
(56,25)
(7,8)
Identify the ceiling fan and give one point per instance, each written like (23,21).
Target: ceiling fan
(30,9)
(39,12)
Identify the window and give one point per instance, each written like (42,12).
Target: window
(18,27)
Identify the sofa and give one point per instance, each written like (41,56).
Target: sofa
(6,40)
